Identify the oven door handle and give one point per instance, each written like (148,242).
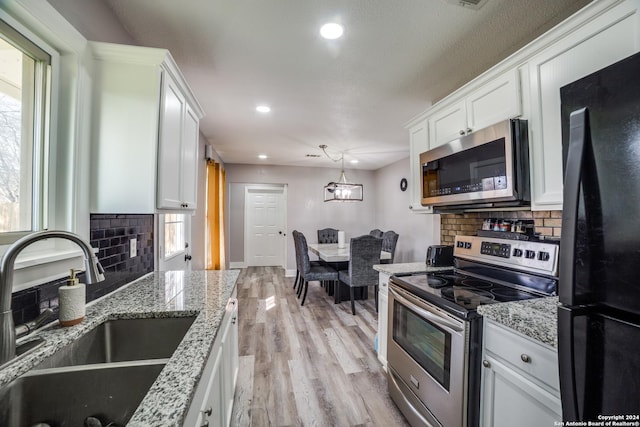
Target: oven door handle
(435,318)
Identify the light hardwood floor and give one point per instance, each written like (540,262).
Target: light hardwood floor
(306,366)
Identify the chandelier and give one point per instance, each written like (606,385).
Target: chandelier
(341,190)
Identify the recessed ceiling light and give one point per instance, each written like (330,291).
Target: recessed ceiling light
(262,156)
(263,109)
(354,161)
(331,31)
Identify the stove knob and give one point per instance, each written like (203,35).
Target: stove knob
(529,254)
(517,252)
(467,245)
(543,256)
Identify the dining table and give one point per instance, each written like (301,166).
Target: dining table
(332,253)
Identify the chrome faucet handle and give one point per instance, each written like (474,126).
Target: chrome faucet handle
(27,328)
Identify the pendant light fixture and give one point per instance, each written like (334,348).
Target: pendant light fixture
(341,190)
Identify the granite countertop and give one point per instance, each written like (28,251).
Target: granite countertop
(158,294)
(535,318)
(407,267)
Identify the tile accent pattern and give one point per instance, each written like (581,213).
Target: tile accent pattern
(159,294)
(547,223)
(111,234)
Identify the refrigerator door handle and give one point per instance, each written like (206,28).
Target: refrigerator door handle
(566,365)
(578,134)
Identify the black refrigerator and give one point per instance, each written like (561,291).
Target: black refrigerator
(599,288)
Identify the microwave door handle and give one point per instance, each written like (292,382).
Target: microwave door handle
(440,321)
(578,134)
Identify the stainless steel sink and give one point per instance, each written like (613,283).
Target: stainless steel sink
(122,340)
(104,374)
(66,397)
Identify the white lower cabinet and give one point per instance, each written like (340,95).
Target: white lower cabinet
(383,317)
(520,382)
(212,402)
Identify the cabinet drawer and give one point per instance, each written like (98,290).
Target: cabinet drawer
(525,354)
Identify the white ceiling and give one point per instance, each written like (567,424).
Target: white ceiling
(353,94)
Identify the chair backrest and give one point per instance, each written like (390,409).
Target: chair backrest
(328,235)
(305,263)
(364,254)
(376,233)
(296,245)
(389,241)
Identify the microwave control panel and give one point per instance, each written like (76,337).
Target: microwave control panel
(536,257)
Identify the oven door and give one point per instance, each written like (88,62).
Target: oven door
(427,355)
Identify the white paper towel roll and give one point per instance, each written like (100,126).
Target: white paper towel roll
(341,239)
(72,304)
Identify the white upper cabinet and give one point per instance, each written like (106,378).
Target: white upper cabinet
(497,100)
(489,103)
(528,84)
(144,132)
(611,34)
(447,124)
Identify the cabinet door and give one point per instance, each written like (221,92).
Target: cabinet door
(608,38)
(447,124)
(510,399)
(169,146)
(495,101)
(383,327)
(230,359)
(190,162)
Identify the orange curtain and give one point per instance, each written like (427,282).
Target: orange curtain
(215,216)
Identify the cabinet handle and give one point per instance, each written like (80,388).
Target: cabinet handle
(486,364)
(469,130)
(187,257)
(462,133)
(525,358)
(208,412)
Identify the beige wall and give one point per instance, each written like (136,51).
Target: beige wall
(416,230)
(384,207)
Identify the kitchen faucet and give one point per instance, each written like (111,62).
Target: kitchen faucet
(93,269)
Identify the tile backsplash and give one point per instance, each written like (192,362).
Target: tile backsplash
(110,233)
(547,223)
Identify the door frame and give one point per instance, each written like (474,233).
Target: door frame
(265,188)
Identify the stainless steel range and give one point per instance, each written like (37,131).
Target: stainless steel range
(435,332)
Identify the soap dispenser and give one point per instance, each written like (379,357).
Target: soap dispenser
(72,297)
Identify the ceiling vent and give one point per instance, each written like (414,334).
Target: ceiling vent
(468,4)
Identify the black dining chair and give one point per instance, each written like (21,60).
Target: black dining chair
(312,272)
(328,235)
(389,242)
(296,244)
(364,254)
(376,233)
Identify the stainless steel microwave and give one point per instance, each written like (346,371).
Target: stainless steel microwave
(486,169)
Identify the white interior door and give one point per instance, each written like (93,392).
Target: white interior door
(264,226)
(174,234)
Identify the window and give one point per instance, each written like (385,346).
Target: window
(25,85)
(174,234)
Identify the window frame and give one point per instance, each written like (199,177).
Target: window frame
(41,119)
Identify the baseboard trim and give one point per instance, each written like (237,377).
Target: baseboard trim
(237,265)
